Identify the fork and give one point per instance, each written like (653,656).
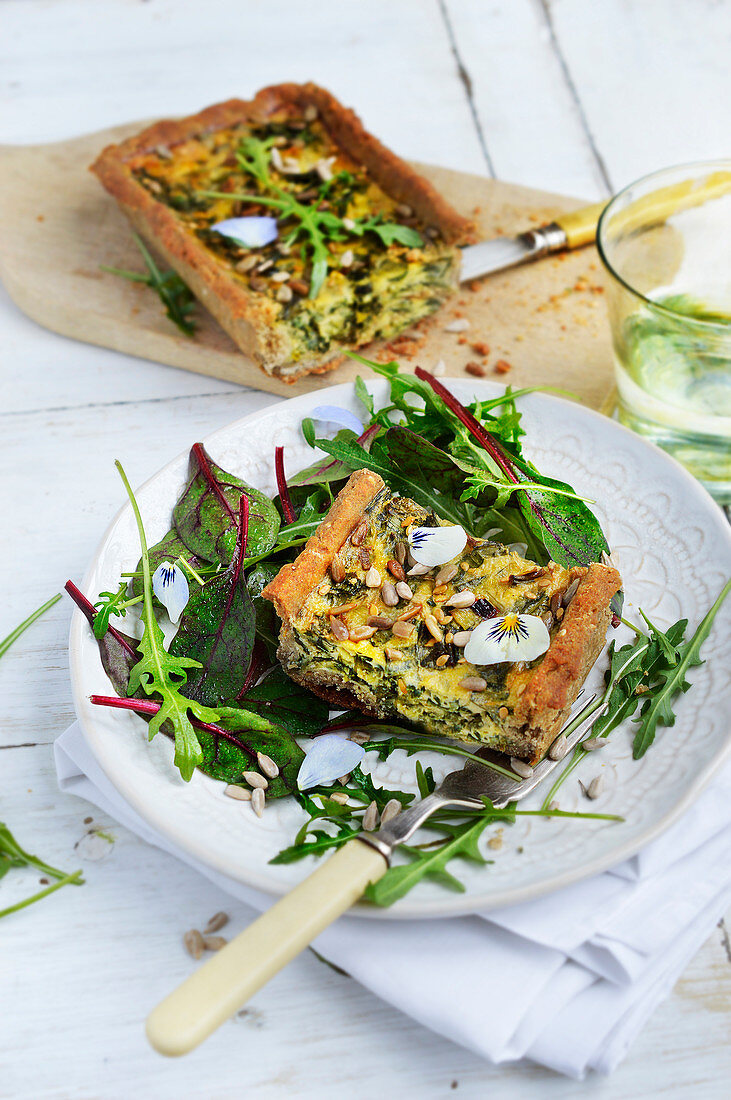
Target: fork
(222,985)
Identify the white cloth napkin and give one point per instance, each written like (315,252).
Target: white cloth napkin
(566,981)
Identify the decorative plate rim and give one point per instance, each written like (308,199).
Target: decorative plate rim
(410,907)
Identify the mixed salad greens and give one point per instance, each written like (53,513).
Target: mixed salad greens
(216,689)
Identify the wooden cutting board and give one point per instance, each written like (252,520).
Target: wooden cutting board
(547,320)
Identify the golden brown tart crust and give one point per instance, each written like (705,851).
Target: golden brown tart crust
(543,705)
(249,318)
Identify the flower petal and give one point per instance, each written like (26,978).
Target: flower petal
(328,757)
(252,232)
(333,414)
(170,585)
(507,638)
(436,545)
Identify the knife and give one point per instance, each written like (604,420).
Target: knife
(578,227)
(571,230)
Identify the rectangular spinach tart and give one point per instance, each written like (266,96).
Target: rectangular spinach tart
(365,626)
(326,240)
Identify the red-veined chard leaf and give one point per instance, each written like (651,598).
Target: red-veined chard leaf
(287,703)
(205,517)
(118,651)
(217,628)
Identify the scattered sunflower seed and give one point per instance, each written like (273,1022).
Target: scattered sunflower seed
(596,787)
(446,574)
(461,599)
(344,779)
(193,942)
(340,797)
(391,810)
(370,818)
(267,765)
(216,923)
(559,748)
(419,570)
(591,744)
(347,258)
(310,113)
(401,629)
(254,779)
(214,943)
(280,276)
(404,591)
(258,799)
(520,767)
(373,578)
(473,683)
(240,793)
(339,629)
(439,369)
(389,595)
(460,324)
(461,638)
(285,293)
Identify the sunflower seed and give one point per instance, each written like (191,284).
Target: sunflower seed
(267,765)
(344,779)
(373,578)
(364,557)
(559,748)
(446,574)
(337,569)
(419,570)
(570,593)
(338,629)
(401,629)
(340,797)
(389,595)
(255,780)
(553,805)
(391,810)
(370,818)
(240,793)
(216,923)
(461,324)
(248,262)
(359,533)
(310,113)
(404,591)
(404,209)
(324,168)
(520,767)
(473,683)
(347,258)
(381,622)
(258,285)
(432,626)
(285,294)
(399,552)
(349,224)
(591,744)
(461,638)
(280,276)
(193,942)
(439,368)
(461,599)
(214,943)
(396,569)
(596,787)
(362,633)
(257,801)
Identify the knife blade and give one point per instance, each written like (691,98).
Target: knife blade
(568,231)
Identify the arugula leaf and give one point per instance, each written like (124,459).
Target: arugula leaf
(217,629)
(175,295)
(658,710)
(205,517)
(12,855)
(111,603)
(363,782)
(430,863)
(162,673)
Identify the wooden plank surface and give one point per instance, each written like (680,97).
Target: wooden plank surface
(58,227)
(78,971)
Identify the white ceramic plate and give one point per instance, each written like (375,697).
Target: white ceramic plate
(674,550)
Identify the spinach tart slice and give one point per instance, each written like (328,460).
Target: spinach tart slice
(363,627)
(339,241)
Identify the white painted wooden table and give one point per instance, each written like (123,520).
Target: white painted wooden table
(561,94)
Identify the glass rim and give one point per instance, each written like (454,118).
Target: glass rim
(691,166)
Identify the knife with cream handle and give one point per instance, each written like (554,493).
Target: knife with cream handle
(577,228)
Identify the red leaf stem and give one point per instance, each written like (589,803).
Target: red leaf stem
(90,612)
(284,496)
(202,460)
(149,706)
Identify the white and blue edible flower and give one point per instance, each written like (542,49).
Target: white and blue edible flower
(252,232)
(334,414)
(170,586)
(509,637)
(328,757)
(432,546)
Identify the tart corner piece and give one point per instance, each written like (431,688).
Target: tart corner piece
(260,295)
(351,637)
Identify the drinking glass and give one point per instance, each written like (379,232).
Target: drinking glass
(666,244)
